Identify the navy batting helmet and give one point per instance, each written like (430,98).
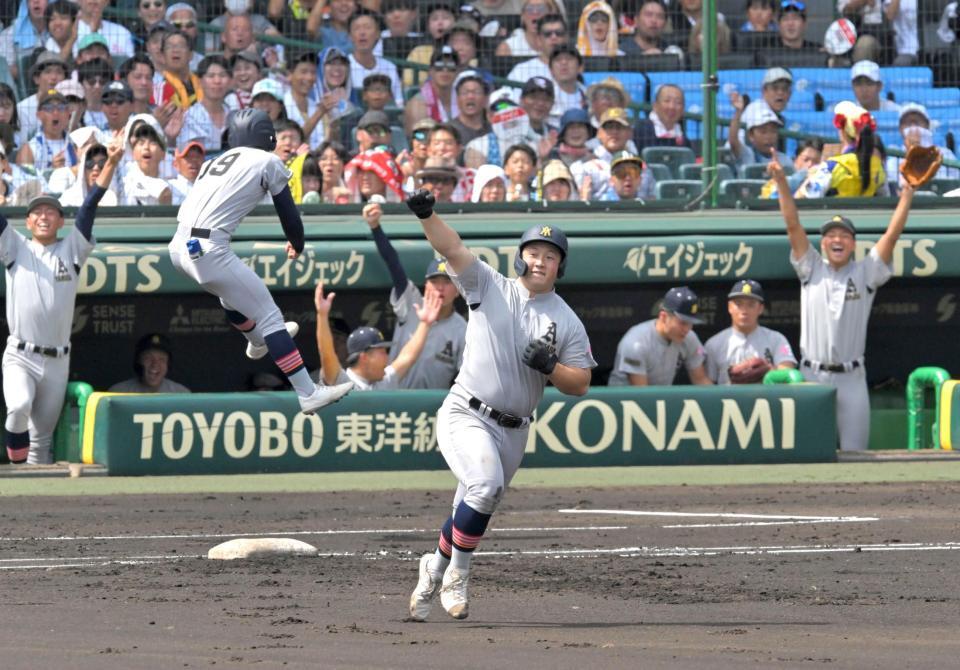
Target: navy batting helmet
(550,234)
(251,128)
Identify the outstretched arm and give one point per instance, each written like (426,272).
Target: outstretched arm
(799,243)
(442,237)
(329,363)
(372,214)
(886,244)
(290,221)
(428,313)
(88,210)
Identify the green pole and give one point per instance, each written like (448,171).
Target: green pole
(710,86)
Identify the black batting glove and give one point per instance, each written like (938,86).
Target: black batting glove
(540,356)
(421,203)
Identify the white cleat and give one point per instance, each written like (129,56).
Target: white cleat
(421,600)
(256,352)
(453,593)
(323,396)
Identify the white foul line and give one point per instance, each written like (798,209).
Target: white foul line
(793,518)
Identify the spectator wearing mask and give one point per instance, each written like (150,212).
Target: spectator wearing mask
(663,126)
(435,99)
(915,131)
(188,162)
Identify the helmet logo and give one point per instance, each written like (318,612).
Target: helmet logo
(442,267)
(546,232)
(747,288)
(693,308)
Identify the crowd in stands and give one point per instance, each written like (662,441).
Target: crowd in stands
(504,107)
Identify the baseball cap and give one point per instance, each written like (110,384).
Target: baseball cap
(793,6)
(190,145)
(537,84)
(90,39)
(49,94)
(838,221)
(759,114)
(556,170)
(376,78)
(747,288)
(374,117)
(45,59)
(576,115)
(444,168)
(616,115)
(269,87)
(44,199)
(437,268)
(865,68)
(776,74)
(70,87)
(565,50)
(362,339)
(470,75)
(117,89)
(445,52)
(177,6)
(681,301)
(426,124)
(624,157)
(914,108)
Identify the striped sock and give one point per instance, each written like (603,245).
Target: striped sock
(441,559)
(468,527)
(287,357)
(246,326)
(18,446)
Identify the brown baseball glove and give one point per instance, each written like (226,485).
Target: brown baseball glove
(920,165)
(750,371)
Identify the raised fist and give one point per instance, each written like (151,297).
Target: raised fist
(421,203)
(540,356)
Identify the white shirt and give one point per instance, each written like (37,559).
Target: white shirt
(119,39)
(358,73)
(905,27)
(198,125)
(293,113)
(388,383)
(528,69)
(564,101)
(139,189)
(179,188)
(730,347)
(871,15)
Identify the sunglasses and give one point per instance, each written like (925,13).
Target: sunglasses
(184,25)
(113,101)
(445,66)
(420,135)
(156,4)
(53,107)
(377,130)
(553,33)
(91,163)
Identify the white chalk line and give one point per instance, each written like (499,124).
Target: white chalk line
(771,523)
(722,515)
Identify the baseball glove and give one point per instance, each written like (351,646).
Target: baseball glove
(750,371)
(920,165)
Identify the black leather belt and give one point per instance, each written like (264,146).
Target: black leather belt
(502,418)
(53,352)
(203,233)
(832,367)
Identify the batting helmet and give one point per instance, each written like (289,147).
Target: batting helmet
(550,234)
(251,128)
(150,342)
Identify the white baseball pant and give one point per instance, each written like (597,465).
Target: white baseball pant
(34,387)
(853,404)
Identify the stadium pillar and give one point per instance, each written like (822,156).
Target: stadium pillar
(710,86)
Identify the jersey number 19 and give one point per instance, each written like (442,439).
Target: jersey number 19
(219,166)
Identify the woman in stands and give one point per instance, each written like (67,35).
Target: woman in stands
(663,127)
(332,157)
(490,184)
(440,18)
(597,30)
(525,40)
(858,170)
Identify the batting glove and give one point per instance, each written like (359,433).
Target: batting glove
(540,356)
(421,203)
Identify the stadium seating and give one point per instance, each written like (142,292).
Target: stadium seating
(672,157)
(741,189)
(660,171)
(694,171)
(941,186)
(678,189)
(759,171)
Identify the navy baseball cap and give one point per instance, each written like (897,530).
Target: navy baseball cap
(681,301)
(747,288)
(838,221)
(45,199)
(437,268)
(362,339)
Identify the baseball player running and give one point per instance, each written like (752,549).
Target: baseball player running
(520,335)
(836,294)
(42,277)
(746,351)
(438,363)
(226,190)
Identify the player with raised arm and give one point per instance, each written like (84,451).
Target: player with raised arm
(520,335)
(227,189)
(42,277)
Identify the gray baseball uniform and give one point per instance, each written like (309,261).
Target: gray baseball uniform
(730,347)
(388,383)
(835,308)
(442,354)
(644,351)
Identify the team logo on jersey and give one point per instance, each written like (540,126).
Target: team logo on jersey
(446,354)
(550,337)
(852,292)
(62,273)
(767,354)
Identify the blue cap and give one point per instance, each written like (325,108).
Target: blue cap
(362,339)
(437,268)
(747,288)
(576,115)
(681,301)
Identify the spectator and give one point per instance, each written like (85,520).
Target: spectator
(575,131)
(154,47)
(60,15)
(494,8)
(27,34)
(142,184)
(289,140)
(183,17)
(240,26)
(180,85)
(373,130)
(376,95)
(527,40)
(49,148)
(152,360)
(866,82)
(75,96)
(592,173)
(301,19)
(762,132)
(335,31)
(47,71)
(247,69)
(117,103)
(400,17)
(138,73)
(90,20)
(8,109)
(374,172)
(332,157)
(597,31)
(311,181)
(413,159)
(536,99)
(915,131)
(663,126)
(444,142)
(333,90)
(809,154)
(648,36)
(267,95)
(857,171)
(365,34)
(92,47)
(472,92)
(490,184)
(237,35)
(299,105)
(566,65)
(724,39)
(557,182)
(793,27)
(511,126)
(18,185)
(94,75)
(188,161)
(777,89)
(91,162)
(439,21)
(552,31)
(464,41)
(628,179)
(746,338)
(603,95)
(207,118)
(759,17)
(519,164)
(650,353)
(149,12)
(439,176)
(435,99)
(684,17)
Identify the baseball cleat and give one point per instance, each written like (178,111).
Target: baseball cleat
(258,351)
(323,396)
(453,593)
(421,600)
